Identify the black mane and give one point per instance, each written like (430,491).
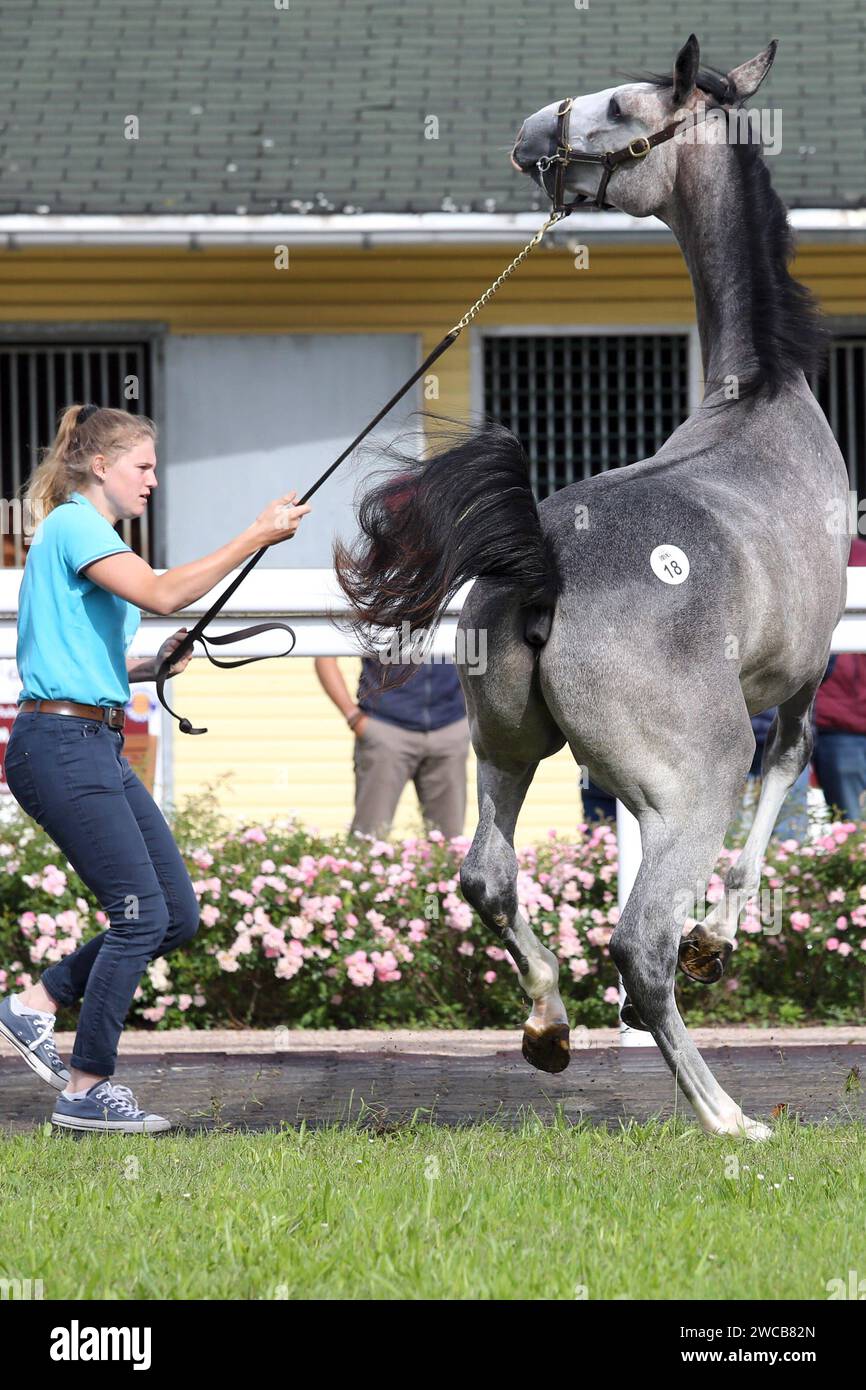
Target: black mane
(786,321)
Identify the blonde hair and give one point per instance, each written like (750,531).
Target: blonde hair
(65,466)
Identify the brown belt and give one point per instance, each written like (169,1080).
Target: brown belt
(113,716)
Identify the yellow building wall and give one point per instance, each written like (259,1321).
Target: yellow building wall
(380,289)
(272,730)
(279,746)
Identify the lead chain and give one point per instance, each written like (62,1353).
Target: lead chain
(509,270)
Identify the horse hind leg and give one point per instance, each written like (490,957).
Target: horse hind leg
(705,952)
(488,878)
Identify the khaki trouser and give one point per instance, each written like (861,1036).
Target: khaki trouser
(387,757)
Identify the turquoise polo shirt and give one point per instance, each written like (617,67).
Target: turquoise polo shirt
(73,635)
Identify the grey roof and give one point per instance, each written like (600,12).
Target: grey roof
(321,106)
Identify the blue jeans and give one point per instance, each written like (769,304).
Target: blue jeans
(840,762)
(70,775)
(597,802)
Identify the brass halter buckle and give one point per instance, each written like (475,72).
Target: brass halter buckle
(639,153)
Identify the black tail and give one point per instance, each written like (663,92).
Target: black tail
(433,524)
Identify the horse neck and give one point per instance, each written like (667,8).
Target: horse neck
(709,215)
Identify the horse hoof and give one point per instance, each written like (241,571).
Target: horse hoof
(703,956)
(630,1016)
(741,1127)
(548,1050)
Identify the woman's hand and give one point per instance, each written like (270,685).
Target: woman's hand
(168,647)
(280,519)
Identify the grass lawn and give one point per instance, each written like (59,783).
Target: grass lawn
(651,1211)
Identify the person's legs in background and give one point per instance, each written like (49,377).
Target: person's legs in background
(840,762)
(440,778)
(385,757)
(792,822)
(597,803)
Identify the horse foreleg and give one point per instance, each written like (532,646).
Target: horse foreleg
(704,953)
(677,857)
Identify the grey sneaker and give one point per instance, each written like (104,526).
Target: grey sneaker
(33,1036)
(106,1108)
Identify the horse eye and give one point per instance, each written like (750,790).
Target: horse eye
(614,111)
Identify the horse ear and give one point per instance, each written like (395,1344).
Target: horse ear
(745,80)
(686,65)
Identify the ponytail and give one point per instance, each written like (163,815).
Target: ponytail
(65,466)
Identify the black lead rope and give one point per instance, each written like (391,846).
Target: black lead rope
(197,635)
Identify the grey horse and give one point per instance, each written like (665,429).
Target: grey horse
(643,614)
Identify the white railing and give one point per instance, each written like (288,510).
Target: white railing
(310,601)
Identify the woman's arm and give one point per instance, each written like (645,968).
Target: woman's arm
(138,670)
(145,670)
(331,681)
(131,577)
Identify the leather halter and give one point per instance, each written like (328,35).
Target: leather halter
(610,161)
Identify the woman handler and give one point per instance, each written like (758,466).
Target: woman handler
(78,612)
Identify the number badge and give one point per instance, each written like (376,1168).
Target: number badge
(670,564)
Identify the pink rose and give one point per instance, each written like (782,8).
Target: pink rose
(360,971)
(385,965)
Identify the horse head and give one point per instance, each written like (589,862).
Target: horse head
(621,147)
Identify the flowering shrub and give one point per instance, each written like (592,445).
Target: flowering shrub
(311,932)
(801,944)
